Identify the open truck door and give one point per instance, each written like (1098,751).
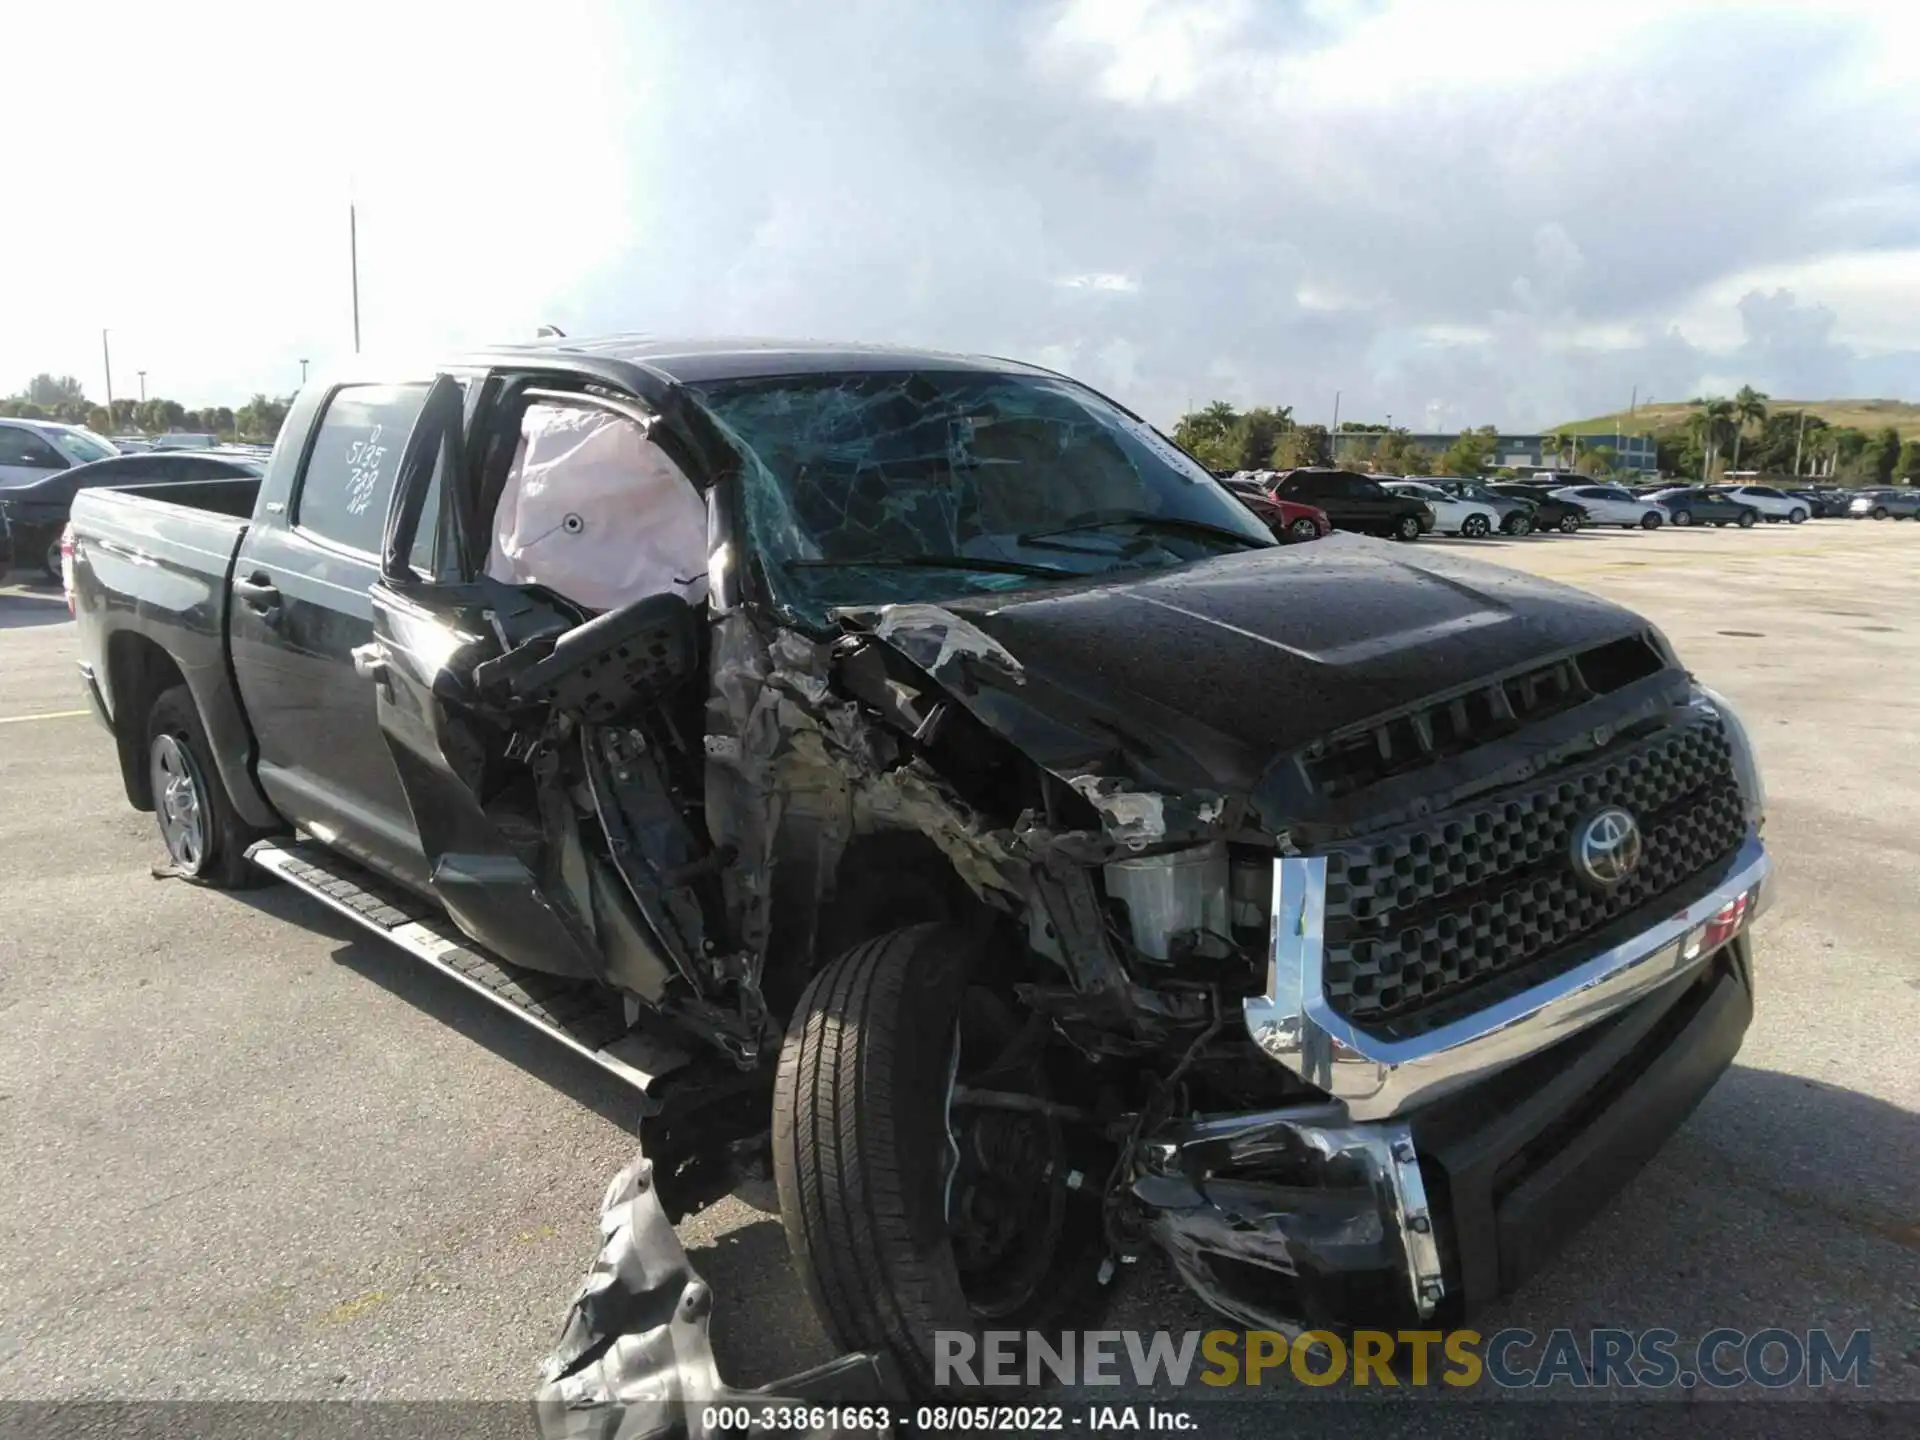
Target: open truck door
(430,633)
(528,737)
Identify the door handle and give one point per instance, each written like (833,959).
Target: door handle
(370,662)
(258,592)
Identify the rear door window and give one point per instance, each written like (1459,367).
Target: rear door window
(353,462)
(20,446)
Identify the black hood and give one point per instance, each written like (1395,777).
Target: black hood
(1203,676)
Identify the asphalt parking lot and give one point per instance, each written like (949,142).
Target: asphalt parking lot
(249,1154)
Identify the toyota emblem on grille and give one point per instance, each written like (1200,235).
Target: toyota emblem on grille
(1606,847)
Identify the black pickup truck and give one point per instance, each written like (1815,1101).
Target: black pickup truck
(921,761)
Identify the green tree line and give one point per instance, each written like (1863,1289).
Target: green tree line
(1267,438)
(1746,433)
(63,398)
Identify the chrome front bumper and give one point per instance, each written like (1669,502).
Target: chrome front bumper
(1374,1078)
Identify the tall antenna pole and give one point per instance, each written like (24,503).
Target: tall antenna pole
(353,260)
(106,357)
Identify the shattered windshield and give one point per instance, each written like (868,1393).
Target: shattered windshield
(875,487)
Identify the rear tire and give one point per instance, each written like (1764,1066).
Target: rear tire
(1879,512)
(1650,520)
(1406,528)
(868,1165)
(1683,517)
(1748,519)
(1475,527)
(1796,516)
(1570,525)
(205,837)
(50,562)
(1303,529)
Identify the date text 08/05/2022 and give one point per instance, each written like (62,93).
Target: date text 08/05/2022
(925,1419)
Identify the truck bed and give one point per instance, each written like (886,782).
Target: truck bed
(152,576)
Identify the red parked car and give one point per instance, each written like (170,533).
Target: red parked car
(1289,520)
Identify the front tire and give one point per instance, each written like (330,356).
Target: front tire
(1650,520)
(1475,527)
(50,562)
(883,1206)
(1748,519)
(1683,517)
(1570,525)
(1879,512)
(205,837)
(1796,516)
(1303,529)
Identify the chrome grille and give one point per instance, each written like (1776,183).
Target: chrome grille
(1428,914)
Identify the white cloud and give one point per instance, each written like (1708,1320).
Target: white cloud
(1113,284)
(1496,212)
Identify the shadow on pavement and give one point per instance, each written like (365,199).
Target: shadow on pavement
(21,608)
(444,999)
(1837,1156)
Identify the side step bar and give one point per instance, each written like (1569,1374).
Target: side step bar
(586,1018)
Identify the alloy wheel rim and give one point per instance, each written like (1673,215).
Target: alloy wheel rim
(178,803)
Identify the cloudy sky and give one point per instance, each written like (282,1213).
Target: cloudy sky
(1455,213)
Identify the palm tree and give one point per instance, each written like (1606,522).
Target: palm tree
(1715,418)
(1749,406)
(1554,445)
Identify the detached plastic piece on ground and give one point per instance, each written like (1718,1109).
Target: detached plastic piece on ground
(595,511)
(634,1360)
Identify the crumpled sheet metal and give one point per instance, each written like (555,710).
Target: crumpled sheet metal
(935,638)
(635,1361)
(952,649)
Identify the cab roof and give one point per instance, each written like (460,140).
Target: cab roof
(695,361)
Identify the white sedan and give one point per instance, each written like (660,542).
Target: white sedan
(1610,505)
(1451,514)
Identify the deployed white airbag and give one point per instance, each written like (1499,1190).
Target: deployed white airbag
(595,511)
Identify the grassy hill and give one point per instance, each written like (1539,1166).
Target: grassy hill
(1903,415)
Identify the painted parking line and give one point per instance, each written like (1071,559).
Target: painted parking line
(50,715)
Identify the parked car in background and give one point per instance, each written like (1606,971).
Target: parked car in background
(1773,504)
(1548,513)
(1289,520)
(1452,514)
(36,513)
(1614,505)
(184,440)
(132,444)
(1354,501)
(1519,515)
(1827,503)
(1886,505)
(1691,505)
(33,449)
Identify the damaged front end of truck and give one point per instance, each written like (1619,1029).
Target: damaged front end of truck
(1340,924)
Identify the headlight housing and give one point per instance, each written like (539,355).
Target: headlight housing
(1746,766)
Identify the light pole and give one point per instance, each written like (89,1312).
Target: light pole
(106,358)
(303,370)
(353,262)
(143,385)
